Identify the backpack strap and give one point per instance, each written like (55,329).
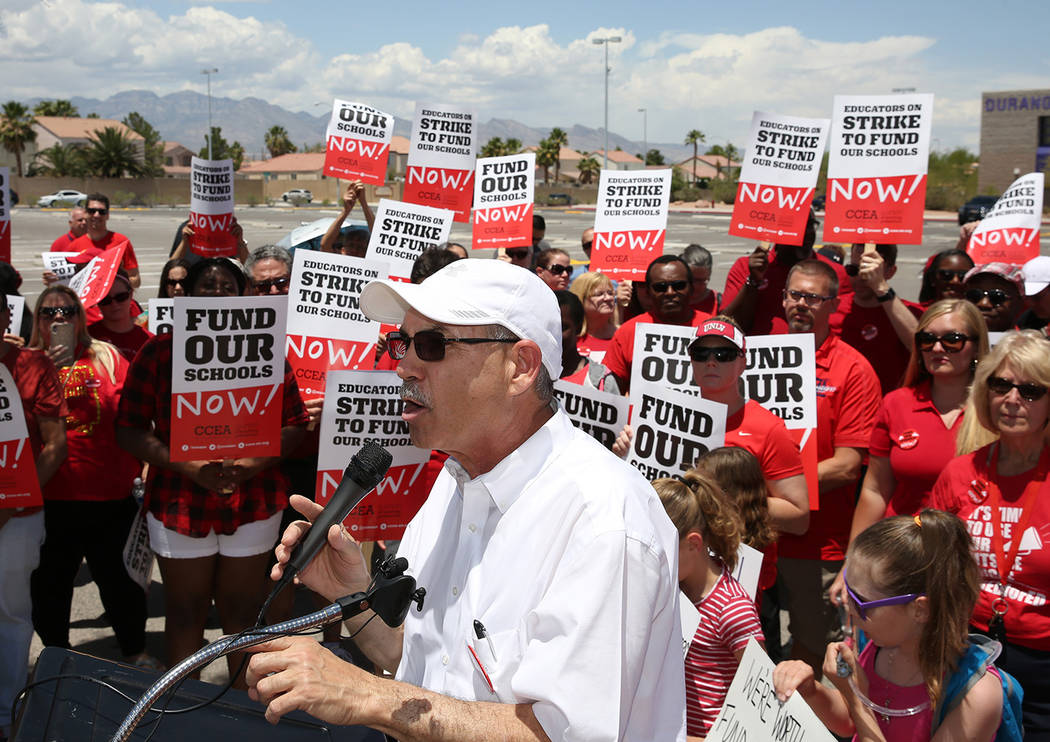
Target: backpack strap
(968,672)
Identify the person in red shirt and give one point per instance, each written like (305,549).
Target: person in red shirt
(577,368)
(100,238)
(669,283)
(77,228)
(22,529)
(848,398)
(600,314)
(117,326)
(755,284)
(703,297)
(873,319)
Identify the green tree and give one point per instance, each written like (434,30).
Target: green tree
(16,130)
(589,168)
(493,148)
(558,139)
(694,137)
(732,155)
(112,154)
(92,115)
(222,150)
(55,108)
(951,179)
(547,157)
(236,153)
(278,142)
(153,146)
(512,147)
(654,157)
(59,160)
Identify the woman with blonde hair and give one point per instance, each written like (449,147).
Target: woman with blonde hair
(600,313)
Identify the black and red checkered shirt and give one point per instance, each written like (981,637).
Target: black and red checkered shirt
(179,503)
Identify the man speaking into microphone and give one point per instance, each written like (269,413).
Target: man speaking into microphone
(549,564)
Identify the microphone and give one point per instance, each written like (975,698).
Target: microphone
(365,470)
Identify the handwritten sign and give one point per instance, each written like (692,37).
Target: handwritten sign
(358,142)
(503,199)
(630,222)
(211,208)
(19,486)
(441,157)
(402,231)
(599,414)
(1009,233)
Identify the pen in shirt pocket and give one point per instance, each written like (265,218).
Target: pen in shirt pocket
(483,651)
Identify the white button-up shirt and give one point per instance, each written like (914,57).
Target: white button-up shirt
(565,555)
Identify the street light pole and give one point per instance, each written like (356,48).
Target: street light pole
(645,135)
(208,73)
(606,40)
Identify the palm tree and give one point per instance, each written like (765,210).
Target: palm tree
(493,148)
(589,168)
(112,154)
(16,130)
(731,154)
(694,137)
(59,160)
(55,108)
(558,139)
(512,147)
(547,157)
(278,142)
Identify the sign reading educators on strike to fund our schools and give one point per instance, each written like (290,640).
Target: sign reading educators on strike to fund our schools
(58,263)
(402,231)
(440,167)
(630,221)
(503,197)
(227,378)
(211,208)
(672,429)
(19,486)
(880,149)
(96,278)
(752,711)
(778,178)
(1009,233)
(5,214)
(161,312)
(599,414)
(357,142)
(326,328)
(362,407)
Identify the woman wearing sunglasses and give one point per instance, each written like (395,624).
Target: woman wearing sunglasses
(943,276)
(1001,492)
(117,326)
(555,268)
(88,505)
(173,278)
(912,583)
(917,428)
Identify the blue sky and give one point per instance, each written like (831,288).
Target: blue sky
(692,65)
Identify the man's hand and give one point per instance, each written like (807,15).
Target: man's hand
(758,264)
(49,277)
(872,270)
(350,196)
(623,293)
(16,340)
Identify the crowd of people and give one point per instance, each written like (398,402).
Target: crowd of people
(922,545)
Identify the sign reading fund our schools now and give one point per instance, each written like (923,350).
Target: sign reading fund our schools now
(161,312)
(357,143)
(880,148)
(503,198)
(672,429)
(227,378)
(402,231)
(326,328)
(5,214)
(630,221)
(19,486)
(211,208)
(362,407)
(440,167)
(1010,231)
(778,177)
(599,414)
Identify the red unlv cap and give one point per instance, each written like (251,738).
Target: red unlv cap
(718,328)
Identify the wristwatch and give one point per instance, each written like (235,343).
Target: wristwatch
(888,296)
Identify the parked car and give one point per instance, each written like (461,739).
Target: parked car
(297,196)
(976,208)
(559,199)
(307,236)
(66,197)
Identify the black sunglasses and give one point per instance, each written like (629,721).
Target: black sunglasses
(264,287)
(175,282)
(123,296)
(952,342)
(1029,392)
(661,287)
(52,312)
(557,269)
(517,254)
(96,210)
(997,297)
(587,245)
(949,275)
(702,354)
(430,344)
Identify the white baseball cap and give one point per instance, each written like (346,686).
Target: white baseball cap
(476,291)
(1036,273)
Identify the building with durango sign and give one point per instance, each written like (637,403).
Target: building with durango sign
(1015,137)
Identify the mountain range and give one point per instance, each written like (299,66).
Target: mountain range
(183,117)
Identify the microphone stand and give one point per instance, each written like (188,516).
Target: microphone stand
(390,598)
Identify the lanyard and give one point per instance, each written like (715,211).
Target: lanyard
(1004,563)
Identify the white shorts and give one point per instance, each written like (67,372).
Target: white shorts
(248,540)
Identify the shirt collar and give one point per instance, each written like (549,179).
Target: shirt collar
(506,481)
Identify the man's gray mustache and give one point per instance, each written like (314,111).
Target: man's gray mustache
(410,392)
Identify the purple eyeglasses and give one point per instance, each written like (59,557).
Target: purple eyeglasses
(862,605)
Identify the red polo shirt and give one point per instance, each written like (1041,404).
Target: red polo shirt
(848,400)
(620,355)
(112,239)
(62,243)
(869,330)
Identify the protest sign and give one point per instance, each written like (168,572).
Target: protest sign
(5,214)
(326,328)
(402,231)
(880,149)
(778,178)
(441,157)
(661,356)
(1009,233)
(503,198)
(161,312)
(19,486)
(599,414)
(16,305)
(671,430)
(362,407)
(96,278)
(58,263)
(357,142)
(630,221)
(753,712)
(227,378)
(211,208)
(689,617)
(748,568)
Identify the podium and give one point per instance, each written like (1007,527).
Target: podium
(76,710)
